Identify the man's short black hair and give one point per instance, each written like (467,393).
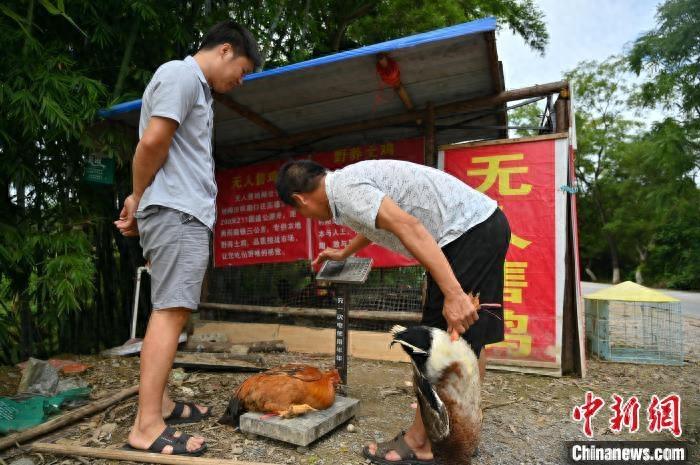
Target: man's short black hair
(230,32)
(298,177)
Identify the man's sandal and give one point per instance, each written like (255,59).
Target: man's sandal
(176,418)
(398,444)
(167,438)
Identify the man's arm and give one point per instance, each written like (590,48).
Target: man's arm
(151,153)
(458,309)
(357,243)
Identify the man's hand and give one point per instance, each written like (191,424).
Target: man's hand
(460,312)
(329,254)
(126,222)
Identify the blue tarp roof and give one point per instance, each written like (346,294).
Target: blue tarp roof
(448,65)
(472,27)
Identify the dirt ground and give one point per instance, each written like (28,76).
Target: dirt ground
(527,418)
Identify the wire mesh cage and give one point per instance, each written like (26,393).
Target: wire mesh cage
(285,285)
(622,329)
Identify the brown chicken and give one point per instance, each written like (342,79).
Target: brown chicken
(287,391)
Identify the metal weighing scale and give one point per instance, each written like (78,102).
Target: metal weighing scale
(344,274)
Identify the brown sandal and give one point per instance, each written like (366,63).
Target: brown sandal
(398,444)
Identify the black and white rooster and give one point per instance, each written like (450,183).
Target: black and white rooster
(446,381)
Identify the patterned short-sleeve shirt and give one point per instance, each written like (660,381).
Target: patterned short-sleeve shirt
(446,206)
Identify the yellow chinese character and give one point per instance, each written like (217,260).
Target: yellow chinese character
(355,153)
(519,345)
(260,178)
(517,340)
(386,149)
(371,151)
(518,241)
(514,275)
(494,170)
(339,156)
(272,176)
(236,182)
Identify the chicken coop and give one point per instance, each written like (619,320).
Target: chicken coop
(633,324)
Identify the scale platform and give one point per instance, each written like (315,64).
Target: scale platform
(353,270)
(302,430)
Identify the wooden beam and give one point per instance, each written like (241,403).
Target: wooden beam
(430,150)
(496,72)
(133,456)
(372,315)
(483,143)
(448,109)
(67,418)
(248,114)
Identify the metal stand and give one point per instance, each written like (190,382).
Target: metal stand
(343,274)
(341,333)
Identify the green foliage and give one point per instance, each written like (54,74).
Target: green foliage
(527,117)
(391,19)
(671,55)
(637,183)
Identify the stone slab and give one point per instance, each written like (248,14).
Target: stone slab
(302,430)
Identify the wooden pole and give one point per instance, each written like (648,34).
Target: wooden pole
(430,143)
(561,111)
(133,456)
(406,117)
(67,418)
(315,312)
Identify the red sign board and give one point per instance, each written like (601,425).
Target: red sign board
(524,179)
(254,226)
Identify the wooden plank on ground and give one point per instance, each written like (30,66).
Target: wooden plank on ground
(219,361)
(362,344)
(67,418)
(246,348)
(133,456)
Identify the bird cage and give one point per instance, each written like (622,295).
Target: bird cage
(631,323)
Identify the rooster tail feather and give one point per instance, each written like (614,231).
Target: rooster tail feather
(233,413)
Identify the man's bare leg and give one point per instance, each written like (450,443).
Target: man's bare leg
(416,438)
(157,355)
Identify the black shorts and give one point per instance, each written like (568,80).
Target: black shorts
(477,259)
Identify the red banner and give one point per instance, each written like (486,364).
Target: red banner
(253,225)
(327,234)
(522,178)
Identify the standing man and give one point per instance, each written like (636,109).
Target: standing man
(458,234)
(172,208)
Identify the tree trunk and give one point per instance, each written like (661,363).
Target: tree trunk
(126,59)
(20,306)
(267,52)
(638,278)
(590,273)
(614,259)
